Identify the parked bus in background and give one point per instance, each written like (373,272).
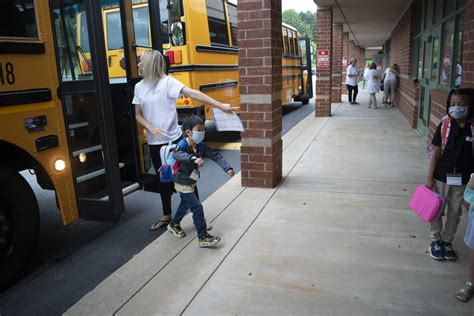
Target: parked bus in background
(200,40)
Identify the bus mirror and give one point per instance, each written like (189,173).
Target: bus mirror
(177,33)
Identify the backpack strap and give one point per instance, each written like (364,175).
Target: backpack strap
(445,129)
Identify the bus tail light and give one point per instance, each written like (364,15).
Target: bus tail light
(170,55)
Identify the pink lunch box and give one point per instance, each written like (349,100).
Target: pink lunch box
(426,203)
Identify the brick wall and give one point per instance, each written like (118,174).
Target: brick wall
(401,47)
(260,81)
(337,62)
(323,73)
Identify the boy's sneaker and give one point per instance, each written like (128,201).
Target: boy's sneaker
(449,253)
(176,230)
(437,250)
(208,241)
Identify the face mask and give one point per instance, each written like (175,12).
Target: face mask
(458,112)
(197,137)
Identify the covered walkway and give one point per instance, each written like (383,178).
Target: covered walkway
(336,237)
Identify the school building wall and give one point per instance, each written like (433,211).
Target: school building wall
(400,48)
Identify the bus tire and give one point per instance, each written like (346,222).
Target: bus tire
(304,100)
(19,225)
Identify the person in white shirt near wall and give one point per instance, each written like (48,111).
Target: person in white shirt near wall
(390,81)
(373,77)
(351,81)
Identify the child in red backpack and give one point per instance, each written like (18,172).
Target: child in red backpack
(450,169)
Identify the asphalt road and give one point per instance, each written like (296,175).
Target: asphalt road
(71,260)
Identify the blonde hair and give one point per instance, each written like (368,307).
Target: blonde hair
(153,68)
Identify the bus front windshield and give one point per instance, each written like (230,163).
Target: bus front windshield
(168,17)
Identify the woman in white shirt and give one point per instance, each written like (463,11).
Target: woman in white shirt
(373,78)
(155,109)
(351,81)
(390,81)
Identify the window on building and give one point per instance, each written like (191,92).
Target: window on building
(217,22)
(114,31)
(141,26)
(450,7)
(447,55)
(418,13)
(458,63)
(18,19)
(233,23)
(428,14)
(438,11)
(435,59)
(461,3)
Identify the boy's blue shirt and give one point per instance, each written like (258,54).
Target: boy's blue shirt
(184,153)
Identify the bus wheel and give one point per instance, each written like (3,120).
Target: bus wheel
(305,100)
(19,222)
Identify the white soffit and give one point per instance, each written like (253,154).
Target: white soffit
(371,21)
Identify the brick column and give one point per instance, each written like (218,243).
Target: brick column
(323,71)
(345,57)
(260,76)
(467,74)
(351,51)
(336,62)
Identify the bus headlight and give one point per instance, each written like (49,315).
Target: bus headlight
(82,157)
(177,33)
(59,165)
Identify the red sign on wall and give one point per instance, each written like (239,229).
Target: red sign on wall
(323,58)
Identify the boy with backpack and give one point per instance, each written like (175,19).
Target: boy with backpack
(189,153)
(450,169)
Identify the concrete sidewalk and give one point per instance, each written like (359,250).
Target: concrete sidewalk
(335,238)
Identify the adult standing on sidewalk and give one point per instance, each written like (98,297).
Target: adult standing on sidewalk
(390,82)
(351,81)
(155,109)
(372,76)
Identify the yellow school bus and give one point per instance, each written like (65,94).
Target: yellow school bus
(64,119)
(200,41)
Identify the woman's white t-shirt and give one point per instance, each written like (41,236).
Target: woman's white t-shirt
(158,104)
(351,70)
(390,74)
(373,78)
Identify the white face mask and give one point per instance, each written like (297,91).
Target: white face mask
(458,112)
(198,137)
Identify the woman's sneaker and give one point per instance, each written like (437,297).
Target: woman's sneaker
(208,241)
(176,230)
(437,250)
(449,253)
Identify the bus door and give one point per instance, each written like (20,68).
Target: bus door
(93,121)
(129,30)
(307,78)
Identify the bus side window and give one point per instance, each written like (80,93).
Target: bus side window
(285,41)
(17,19)
(141,26)
(233,23)
(217,22)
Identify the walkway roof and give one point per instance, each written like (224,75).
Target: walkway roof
(369,22)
